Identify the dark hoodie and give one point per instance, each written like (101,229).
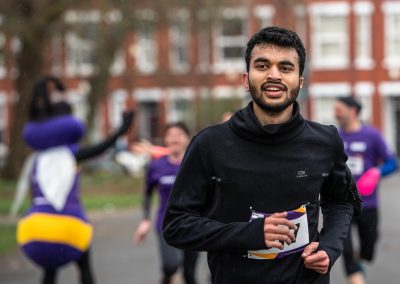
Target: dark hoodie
(238,165)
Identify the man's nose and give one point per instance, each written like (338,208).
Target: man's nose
(274,74)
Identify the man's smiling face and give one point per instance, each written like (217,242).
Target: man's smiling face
(273,79)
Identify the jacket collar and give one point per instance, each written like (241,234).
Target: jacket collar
(246,125)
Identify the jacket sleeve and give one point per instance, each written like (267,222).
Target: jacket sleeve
(95,150)
(148,192)
(339,198)
(186,225)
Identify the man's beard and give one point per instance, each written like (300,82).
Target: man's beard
(273,108)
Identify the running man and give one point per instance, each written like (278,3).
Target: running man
(369,160)
(161,175)
(249,190)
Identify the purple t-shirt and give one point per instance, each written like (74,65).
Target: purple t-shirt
(161,174)
(366,149)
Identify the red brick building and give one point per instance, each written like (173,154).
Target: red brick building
(354,48)
(184,68)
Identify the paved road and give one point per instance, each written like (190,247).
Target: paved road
(117,261)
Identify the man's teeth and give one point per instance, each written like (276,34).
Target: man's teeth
(273,89)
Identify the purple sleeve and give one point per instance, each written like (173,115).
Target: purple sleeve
(151,182)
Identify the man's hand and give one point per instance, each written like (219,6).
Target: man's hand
(127,118)
(316,260)
(278,230)
(141,231)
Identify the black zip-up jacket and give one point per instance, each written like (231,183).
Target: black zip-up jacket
(232,167)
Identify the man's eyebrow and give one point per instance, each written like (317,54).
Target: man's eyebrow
(287,62)
(260,59)
(283,62)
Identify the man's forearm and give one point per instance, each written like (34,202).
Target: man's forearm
(336,225)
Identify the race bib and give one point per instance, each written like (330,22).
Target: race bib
(299,218)
(356,165)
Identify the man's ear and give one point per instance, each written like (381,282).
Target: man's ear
(245,80)
(301,82)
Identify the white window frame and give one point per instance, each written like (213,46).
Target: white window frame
(265,14)
(119,64)
(227,92)
(221,65)
(116,106)
(363,33)
(321,92)
(146,48)
(77,44)
(391,9)
(318,11)
(364,92)
(174,95)
(147,95)
(179,39)
(78,99)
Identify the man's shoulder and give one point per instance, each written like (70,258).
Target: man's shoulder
(158,162)
(322,129)
(212,131)
(370,130)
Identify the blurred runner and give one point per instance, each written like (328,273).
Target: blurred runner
(161,174)
(369,160)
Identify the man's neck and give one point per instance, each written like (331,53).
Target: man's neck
(175,158)
(266,118)
(353,126)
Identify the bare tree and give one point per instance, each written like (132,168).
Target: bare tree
(32,22)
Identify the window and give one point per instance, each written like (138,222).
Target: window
(117,106)
(324,111)
(264,15)
(392,34)
(80,41)
(119,63)
(78,99)
(363,35)
(149,101)
(179,41)
(80,55)
(146,51)
(230,40)
(329,32)
(323,97)
(179,105)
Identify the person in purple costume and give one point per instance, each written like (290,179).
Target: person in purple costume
(161,174)
(55,230)
(369,159)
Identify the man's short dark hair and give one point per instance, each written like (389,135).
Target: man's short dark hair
(280,37)
(351,102)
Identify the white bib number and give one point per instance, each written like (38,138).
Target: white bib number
(299,218)
(356,165)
